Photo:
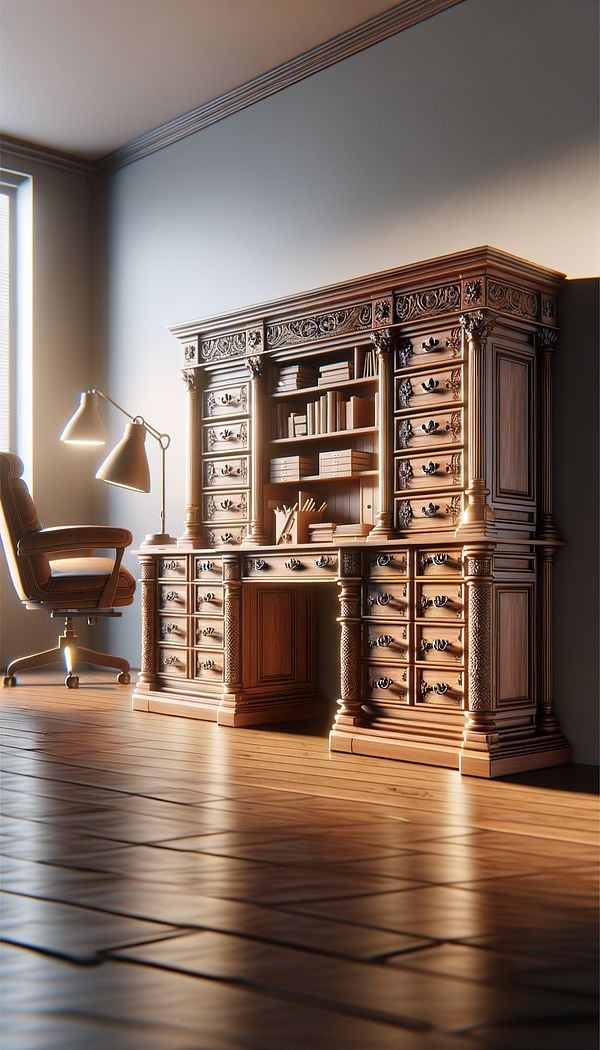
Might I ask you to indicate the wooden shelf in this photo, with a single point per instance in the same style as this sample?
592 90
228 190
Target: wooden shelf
329 477
284 395
319 437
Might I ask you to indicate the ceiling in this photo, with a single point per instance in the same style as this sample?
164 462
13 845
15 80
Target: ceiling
87 76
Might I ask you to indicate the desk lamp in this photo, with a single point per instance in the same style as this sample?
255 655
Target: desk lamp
126 465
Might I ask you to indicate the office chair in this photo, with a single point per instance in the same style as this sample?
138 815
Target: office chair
53 569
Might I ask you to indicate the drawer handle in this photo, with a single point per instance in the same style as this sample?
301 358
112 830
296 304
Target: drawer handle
382 560
430 468
226 537
431 385
258 563
227 469
226 504
437 687
226 434
430 427
384 640
382 683
323 561
430 510
206 566
170 661
433 559
293 564
227 399
169 628
440 687
208 597
172 596
438 644
380 599
207 665
170 564
431 345
207 632
440 600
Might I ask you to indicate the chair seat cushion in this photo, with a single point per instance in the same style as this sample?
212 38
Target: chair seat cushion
80 581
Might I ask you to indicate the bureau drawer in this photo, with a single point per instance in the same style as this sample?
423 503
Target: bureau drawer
172 568
208 599
225 506
208 634
430 431
173 629
428 513
441 686
385 563
387 641
443 470
385 682
226 436
386 600
432 347
443 600
440 562
440 644
208 668
429 389
233 472
226 535
317 565
172 597
172 662
208 569
227 401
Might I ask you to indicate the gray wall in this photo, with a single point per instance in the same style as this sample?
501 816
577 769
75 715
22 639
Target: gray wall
62 259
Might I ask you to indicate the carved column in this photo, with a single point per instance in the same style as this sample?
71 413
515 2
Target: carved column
149 604
384 526
477 516
193 535
232 626
257 536
546 341
480 728
350 711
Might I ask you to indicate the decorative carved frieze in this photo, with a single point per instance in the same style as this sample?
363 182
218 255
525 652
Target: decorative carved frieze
383 310
511 300
254 339
223 346
428 302
190 353
334 322
473 292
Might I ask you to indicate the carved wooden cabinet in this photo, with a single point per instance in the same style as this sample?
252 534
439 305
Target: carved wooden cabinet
413 409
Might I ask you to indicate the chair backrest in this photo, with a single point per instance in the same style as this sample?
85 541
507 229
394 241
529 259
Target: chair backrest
18 516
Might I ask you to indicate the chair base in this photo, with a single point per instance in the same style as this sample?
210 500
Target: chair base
70 653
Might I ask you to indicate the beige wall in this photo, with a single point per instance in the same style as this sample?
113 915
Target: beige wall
62 360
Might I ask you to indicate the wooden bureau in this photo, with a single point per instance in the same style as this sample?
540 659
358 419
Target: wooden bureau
415 405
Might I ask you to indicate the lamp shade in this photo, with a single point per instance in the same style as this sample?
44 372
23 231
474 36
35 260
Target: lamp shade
85 426
127 465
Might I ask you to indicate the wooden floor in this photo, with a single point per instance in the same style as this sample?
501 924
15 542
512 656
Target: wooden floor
173 885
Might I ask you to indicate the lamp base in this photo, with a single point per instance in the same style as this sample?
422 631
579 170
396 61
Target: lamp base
158 539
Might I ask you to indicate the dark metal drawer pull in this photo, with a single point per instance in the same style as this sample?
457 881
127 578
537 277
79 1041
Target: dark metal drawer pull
381 683
430 427
431 345
206 566
438 644
431 385
226 537
293 564
430 510
380 599
170 661
384 640
208 597
258 563
323 562
430 468
226 504
440 600
169 628
172 596
207 632
207 665
170 564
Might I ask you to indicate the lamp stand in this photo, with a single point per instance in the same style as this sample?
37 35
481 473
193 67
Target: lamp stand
160 539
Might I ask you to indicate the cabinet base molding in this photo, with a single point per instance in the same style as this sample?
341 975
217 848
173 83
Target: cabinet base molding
498 760
235 713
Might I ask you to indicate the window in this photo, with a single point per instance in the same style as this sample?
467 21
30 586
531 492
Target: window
16 320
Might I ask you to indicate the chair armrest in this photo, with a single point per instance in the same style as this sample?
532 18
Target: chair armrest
73 538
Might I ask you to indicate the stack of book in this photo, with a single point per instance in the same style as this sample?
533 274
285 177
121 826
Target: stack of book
337 372
355 531
321 531
359 413
292 468
294 377
344 461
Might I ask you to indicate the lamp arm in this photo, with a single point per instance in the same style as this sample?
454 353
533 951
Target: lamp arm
164 440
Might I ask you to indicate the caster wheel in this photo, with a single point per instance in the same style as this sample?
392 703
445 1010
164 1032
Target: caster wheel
72 681
124 678
9 680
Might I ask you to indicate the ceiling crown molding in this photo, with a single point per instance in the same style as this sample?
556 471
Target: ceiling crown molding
44 155
402 16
